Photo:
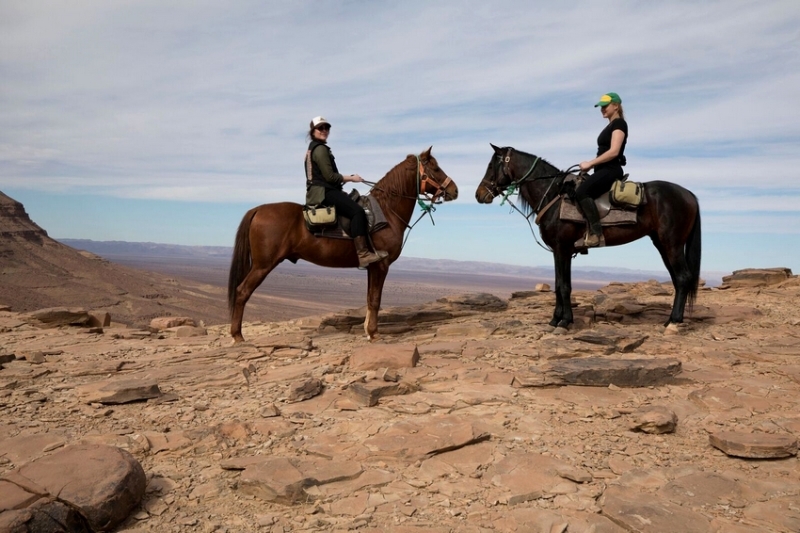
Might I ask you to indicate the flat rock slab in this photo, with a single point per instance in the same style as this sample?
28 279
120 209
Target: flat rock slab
706 489
119 391
370 392
103 482
297 341
183 332
54 317
419 439
756 277
601 372
646 513
24 448
530 519
780 513
165 322
468 330
530 476
285 480
604 337
482 301
754 445
378 356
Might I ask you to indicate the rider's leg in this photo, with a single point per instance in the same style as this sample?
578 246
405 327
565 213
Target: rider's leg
358 226
593 186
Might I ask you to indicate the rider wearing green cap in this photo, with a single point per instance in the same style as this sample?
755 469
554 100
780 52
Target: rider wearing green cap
607 165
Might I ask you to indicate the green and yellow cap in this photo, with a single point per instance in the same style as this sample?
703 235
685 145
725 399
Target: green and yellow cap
608 98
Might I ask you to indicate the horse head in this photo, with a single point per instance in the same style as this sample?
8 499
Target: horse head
433 181
499 175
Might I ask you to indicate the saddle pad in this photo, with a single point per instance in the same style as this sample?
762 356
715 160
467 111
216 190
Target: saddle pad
615 217
375 220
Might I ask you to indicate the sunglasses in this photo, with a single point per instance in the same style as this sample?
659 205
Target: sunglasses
324 127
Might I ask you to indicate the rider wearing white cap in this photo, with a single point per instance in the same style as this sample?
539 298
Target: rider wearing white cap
324 187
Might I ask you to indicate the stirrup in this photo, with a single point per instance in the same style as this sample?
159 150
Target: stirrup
580 244
591 240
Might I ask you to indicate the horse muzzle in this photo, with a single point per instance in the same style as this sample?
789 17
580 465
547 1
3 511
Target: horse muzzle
483 195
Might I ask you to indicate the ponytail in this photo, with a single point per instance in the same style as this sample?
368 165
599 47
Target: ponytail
621 112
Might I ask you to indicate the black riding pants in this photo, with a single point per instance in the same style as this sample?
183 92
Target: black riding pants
598 182
345 206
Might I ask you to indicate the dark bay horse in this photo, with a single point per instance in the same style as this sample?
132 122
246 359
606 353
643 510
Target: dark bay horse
270 233
670 217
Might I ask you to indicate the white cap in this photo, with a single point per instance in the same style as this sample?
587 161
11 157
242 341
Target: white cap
316 121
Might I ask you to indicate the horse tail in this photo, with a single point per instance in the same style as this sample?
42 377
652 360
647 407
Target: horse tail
241 260
693 253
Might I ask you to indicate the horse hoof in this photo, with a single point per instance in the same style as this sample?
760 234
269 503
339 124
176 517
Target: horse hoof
676 329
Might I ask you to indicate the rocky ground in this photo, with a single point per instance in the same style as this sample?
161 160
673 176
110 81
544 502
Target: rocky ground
468 414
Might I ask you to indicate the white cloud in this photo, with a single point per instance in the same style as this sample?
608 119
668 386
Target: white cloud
209 101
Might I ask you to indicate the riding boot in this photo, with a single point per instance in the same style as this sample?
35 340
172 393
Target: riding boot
365 255
589 209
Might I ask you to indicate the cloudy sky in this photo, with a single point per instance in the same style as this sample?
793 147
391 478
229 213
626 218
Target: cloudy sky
164 121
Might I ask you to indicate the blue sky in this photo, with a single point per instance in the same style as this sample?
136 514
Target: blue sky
165 121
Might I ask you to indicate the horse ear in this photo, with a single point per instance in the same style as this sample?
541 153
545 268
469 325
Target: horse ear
426 154
497 150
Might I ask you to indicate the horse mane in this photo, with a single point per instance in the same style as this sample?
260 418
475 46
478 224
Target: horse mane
550 168
393 183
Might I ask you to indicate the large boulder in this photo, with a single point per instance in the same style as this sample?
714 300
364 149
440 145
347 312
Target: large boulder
103 483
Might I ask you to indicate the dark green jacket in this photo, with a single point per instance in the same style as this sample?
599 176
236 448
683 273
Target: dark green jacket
321 172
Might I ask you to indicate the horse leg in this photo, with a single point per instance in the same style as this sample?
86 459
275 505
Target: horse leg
675 260
244 291
562 316
376 276
557 311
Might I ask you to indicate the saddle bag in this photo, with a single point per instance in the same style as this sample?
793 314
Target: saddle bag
318 215
626 194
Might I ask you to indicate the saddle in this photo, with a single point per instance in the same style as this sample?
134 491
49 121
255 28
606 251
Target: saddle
341 228
614 209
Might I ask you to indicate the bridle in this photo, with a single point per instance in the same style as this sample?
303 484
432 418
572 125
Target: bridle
424 182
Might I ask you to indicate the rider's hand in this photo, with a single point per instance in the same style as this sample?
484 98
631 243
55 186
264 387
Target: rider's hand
355 178
585 165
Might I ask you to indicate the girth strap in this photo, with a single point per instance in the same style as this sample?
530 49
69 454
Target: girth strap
547 206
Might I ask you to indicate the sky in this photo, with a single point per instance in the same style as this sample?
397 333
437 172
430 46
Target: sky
164 121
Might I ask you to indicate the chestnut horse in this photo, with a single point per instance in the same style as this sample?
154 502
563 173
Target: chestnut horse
270 233
670 217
